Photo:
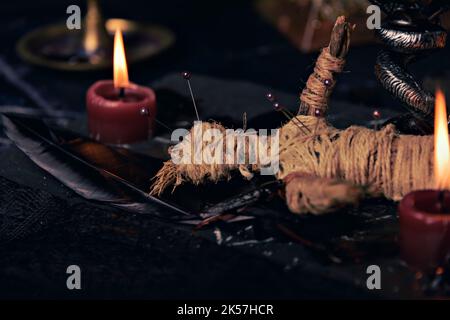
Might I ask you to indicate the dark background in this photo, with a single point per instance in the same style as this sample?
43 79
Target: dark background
225 39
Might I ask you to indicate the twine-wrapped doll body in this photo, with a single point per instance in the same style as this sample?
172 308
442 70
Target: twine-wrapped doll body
325 168
384 162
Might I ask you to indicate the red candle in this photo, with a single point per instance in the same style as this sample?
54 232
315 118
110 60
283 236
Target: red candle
424 230
425 214
120 112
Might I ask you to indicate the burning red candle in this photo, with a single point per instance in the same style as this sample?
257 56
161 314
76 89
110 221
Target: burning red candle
425 214
120 112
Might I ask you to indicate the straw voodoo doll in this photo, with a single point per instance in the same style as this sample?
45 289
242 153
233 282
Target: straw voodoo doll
324 168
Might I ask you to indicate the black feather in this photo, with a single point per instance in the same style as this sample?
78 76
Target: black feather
92 170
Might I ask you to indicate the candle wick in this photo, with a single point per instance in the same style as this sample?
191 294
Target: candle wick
121 92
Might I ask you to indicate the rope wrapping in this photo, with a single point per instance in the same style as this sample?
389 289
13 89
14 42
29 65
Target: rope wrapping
314 97
339 164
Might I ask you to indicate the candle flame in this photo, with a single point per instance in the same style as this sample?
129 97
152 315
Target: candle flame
441 144
120 63
91 42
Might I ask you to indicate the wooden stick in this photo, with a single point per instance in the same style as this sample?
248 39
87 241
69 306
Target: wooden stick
320 89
